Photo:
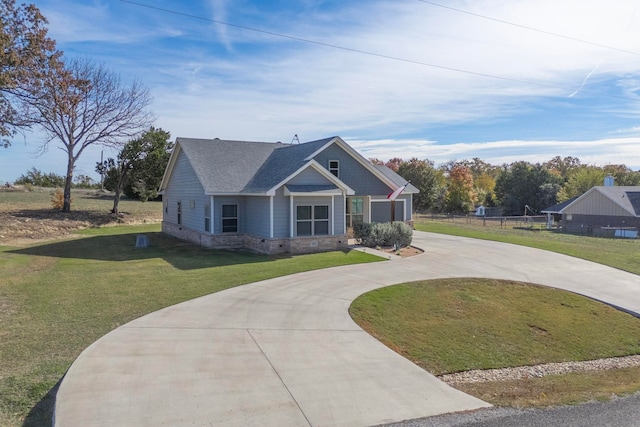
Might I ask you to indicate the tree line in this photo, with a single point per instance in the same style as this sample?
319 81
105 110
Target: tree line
460 186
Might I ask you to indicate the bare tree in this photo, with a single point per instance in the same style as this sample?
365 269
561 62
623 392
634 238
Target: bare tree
27 54
88 105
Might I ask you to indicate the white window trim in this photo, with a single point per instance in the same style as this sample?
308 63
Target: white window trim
313 220
337 168
222 218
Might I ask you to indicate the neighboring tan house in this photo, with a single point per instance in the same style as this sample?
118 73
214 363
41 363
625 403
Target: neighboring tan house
275 197
601 211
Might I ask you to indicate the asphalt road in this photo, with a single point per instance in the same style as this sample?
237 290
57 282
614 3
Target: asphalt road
619 412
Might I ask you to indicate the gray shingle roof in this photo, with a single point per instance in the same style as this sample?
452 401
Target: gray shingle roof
396 179
237 167
628 197
557 208
235 161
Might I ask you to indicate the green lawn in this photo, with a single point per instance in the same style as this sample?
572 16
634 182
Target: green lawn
453 325
619 253
57 298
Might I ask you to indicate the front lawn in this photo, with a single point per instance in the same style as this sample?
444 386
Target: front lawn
56 298
452 325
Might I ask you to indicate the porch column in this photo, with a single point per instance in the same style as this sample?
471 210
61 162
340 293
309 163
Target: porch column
291 217
333 217
344 218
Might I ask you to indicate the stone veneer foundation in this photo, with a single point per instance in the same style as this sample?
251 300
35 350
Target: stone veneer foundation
294 245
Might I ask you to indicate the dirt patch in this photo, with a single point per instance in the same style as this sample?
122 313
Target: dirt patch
407 251
29 226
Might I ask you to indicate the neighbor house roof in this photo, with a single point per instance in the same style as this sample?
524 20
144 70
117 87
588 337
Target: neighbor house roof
244 167
627 197
556 209
397 179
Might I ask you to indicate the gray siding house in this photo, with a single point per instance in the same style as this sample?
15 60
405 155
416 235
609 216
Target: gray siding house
601 211
274 197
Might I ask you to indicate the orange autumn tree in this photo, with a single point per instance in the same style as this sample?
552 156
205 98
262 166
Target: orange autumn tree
460 196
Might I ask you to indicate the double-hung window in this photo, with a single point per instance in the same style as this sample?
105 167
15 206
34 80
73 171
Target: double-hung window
312 220
334 167
229 218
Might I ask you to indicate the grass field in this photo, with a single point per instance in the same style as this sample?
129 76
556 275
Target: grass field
58 297
453 325
82 200
619 253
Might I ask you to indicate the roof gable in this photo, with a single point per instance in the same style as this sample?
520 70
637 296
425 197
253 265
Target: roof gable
244 167
626 198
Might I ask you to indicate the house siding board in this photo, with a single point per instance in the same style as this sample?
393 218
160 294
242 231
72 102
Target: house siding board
184 187
257 216
381 211
596 203
309 176
356 176
407 208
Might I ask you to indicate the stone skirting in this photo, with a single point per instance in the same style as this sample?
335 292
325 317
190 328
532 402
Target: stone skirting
295 245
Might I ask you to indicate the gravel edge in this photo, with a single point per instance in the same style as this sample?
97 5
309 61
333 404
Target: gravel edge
538 371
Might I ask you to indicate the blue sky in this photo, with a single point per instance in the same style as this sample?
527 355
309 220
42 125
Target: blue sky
394 78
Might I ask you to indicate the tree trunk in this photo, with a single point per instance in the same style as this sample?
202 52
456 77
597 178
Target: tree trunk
116 201
66 206
119 187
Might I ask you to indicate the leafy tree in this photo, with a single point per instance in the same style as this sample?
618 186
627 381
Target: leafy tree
394 164
140 165
476 166
623 175
83 181
37 178
521 183
147 174
484 186
562 166
580 180
27 56
548 194
460 195
426 178
87 105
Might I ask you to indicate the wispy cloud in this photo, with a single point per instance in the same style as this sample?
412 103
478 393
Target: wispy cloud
212 80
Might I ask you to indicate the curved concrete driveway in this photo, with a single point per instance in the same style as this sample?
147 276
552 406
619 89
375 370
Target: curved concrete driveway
285 351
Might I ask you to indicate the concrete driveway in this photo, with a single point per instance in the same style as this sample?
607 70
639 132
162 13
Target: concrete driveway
285 351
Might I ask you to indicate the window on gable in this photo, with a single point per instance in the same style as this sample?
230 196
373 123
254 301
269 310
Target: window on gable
334 167
312 220
229 218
